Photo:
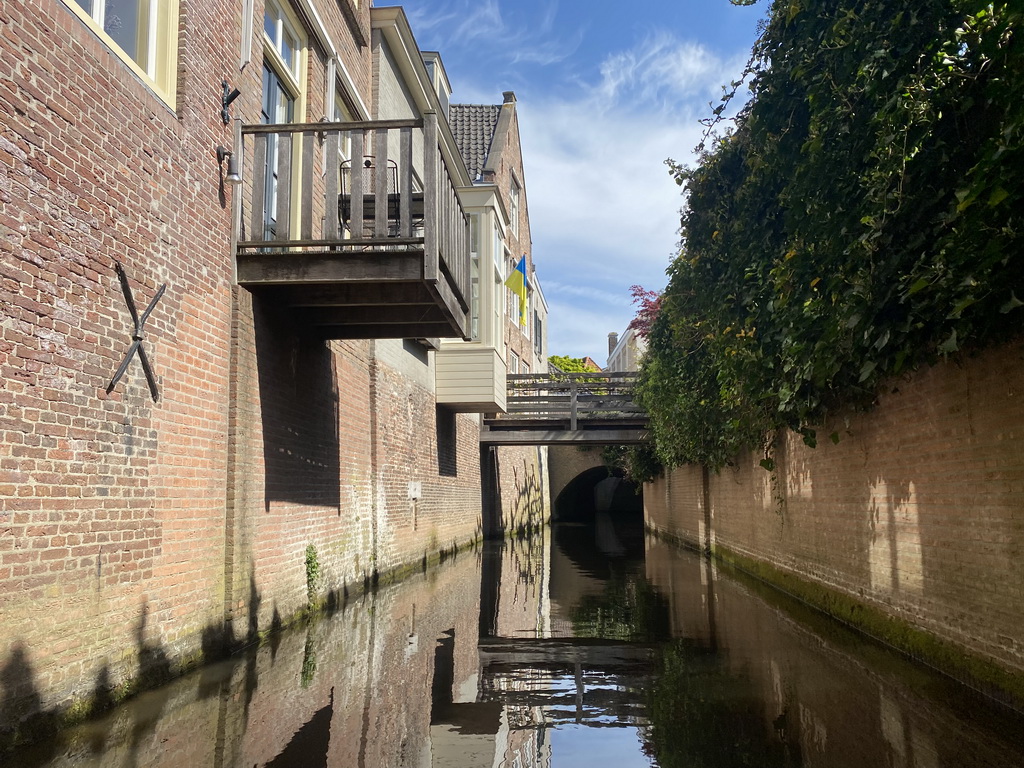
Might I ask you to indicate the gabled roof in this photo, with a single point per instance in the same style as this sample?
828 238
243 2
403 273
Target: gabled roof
473 126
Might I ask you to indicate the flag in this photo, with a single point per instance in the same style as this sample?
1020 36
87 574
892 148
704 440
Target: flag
517 283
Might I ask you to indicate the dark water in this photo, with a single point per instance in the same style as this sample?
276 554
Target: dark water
584 647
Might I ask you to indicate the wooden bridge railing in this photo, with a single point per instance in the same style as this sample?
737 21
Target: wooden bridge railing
574 397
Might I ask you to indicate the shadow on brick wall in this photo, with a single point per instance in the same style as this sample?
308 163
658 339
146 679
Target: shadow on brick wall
299 404
25 721
524 512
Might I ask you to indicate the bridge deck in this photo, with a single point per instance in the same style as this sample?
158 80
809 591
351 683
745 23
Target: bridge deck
580 408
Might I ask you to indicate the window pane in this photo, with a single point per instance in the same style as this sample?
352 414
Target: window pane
127 22
270 22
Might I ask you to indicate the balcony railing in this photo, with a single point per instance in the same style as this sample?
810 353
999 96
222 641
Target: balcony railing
366 204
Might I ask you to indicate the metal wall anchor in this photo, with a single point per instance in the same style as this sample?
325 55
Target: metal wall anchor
137 334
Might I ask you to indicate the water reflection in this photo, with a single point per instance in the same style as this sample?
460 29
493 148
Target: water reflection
586 646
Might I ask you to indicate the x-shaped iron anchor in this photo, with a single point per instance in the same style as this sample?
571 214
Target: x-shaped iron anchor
137 334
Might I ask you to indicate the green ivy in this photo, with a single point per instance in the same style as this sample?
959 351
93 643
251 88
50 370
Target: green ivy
861 219
312 574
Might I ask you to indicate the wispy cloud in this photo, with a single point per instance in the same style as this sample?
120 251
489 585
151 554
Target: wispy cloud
604 211
482 26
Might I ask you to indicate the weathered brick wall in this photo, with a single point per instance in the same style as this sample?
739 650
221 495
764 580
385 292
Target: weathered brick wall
915 511
426 451
133 533
569 461
525 500
111 506
300 471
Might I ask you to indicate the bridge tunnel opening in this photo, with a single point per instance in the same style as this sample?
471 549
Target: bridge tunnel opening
599 518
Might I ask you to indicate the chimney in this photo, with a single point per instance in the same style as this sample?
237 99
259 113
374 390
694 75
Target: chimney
509 96
613 340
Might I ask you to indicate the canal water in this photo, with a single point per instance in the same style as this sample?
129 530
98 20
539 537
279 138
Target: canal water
585 646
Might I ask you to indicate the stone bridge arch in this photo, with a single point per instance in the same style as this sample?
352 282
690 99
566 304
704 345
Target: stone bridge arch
574 472
567 462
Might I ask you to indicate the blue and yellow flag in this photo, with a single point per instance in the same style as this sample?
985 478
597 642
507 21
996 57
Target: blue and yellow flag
517 283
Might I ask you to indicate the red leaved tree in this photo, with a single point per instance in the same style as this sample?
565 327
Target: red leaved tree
648 303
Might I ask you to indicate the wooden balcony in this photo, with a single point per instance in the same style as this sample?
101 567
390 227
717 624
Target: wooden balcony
314 237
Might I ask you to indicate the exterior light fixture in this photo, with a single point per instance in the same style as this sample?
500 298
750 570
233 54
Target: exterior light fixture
232 178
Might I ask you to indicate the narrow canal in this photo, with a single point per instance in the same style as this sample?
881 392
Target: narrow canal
586 646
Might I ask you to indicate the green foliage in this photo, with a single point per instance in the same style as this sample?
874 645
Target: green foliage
312 573
308 672
570 364
863 218
703 715
629 609
639 463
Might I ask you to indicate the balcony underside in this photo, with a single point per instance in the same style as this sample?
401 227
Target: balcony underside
366 294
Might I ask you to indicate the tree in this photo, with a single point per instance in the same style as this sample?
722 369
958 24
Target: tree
648 303
572 364
864 217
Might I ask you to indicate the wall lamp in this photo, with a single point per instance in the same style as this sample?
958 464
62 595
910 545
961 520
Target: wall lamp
232 177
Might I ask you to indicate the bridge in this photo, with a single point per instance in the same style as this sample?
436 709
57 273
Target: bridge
569 408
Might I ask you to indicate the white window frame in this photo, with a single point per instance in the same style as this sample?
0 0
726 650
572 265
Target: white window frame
289 70
160 69
515 190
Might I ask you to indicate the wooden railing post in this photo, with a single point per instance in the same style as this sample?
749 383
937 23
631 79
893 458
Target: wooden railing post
430 196
573 404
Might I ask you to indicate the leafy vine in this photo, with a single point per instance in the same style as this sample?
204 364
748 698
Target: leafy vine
863 217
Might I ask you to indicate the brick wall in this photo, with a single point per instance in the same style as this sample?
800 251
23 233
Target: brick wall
916 511
136 534
568 462
111 506
525 500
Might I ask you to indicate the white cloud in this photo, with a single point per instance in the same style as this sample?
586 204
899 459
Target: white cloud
604 211
480 24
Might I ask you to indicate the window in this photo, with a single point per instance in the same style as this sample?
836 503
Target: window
144 33
525 327
513 207
282 66
496 331
511 297
282 36
341 114
513 363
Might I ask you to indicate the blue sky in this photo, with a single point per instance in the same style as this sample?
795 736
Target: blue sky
606 92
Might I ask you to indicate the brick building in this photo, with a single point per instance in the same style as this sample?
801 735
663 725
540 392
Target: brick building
291 213
488 138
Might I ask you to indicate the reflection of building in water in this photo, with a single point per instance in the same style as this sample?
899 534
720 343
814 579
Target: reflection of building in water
529 681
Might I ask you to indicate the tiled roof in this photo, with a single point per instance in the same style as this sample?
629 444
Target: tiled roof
473 126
